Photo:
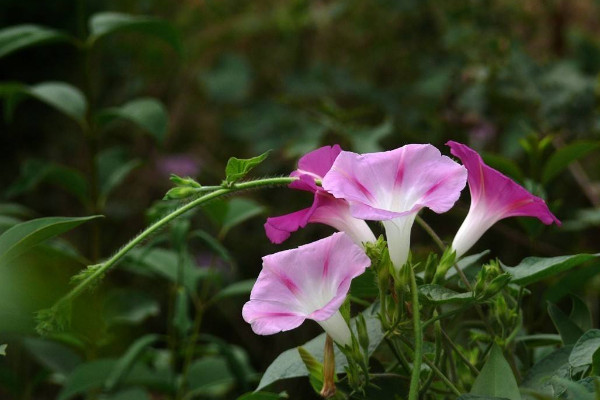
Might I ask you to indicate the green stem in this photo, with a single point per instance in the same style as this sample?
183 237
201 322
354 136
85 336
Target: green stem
460 354
460 273
413 393
102 268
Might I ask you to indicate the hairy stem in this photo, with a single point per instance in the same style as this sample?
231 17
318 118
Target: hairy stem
102 268
413 393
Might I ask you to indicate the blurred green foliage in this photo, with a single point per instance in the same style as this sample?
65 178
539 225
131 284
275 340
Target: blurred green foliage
103 100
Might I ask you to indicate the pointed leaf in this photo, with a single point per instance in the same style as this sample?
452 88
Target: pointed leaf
534 269
147 113
105 23
238 168
19 37
2 349
565 156
554 364
126 362
22 237
236 289
115 179
230 213
35 172
60 95
568 330
55 356
585 348
496 378
436 294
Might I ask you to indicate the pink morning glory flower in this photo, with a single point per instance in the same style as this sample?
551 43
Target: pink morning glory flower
494 196
393 186
308 282
325 208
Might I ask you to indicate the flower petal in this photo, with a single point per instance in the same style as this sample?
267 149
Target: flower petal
310 281
391 184
494 196
314 165
325 209
278 229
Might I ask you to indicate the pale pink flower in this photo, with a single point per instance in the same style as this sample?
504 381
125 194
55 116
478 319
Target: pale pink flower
325 208
494 196
393 186
309 282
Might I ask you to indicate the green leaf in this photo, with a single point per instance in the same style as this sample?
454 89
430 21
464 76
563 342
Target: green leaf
364 286
568 330
60 95
57 357
554 364
126 362
477 397
289 364
534 269
3 349
117 176
263 396
24 236
19 37
128 394
238 168
35 172
366 140
436 294
565 156
596 363
235 289
504 165
214 244
129 307
467 263
92 375
210 376
314 368
496 378
577 390
147 113
106 23
230 213
181 316
229 81
580 314
15 210
585 348
166 263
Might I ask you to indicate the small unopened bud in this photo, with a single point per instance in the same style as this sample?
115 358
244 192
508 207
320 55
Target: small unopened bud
328 389
363 335
186 182
180 192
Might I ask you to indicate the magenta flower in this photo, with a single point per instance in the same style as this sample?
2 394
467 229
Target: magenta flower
494 196
393 186
309 282
325 208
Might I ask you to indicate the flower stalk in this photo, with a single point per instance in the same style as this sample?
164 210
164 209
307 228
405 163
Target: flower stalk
91 275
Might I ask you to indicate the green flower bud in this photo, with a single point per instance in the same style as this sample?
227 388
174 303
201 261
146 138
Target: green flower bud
184 182
180 192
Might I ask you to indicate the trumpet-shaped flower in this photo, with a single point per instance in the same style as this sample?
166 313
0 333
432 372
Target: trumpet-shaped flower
393 186
325 208
309 282
494 196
